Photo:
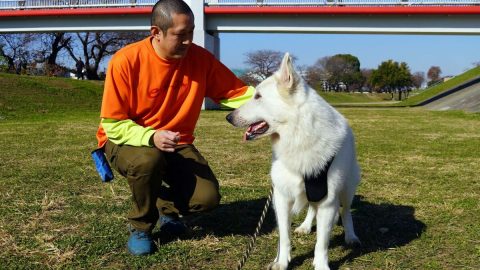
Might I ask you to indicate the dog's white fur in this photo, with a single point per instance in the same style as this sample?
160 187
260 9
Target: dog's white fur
306 131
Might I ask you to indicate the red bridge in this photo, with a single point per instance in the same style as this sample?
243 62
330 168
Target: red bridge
214 16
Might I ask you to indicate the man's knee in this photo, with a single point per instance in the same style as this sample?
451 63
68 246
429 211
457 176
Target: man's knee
205 197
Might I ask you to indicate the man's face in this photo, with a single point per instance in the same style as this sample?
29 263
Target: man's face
175 42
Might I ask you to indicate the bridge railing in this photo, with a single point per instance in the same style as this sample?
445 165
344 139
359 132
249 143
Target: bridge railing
61 4
341 2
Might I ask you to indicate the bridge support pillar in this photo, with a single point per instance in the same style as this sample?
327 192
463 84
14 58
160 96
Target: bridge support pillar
204 39
211 43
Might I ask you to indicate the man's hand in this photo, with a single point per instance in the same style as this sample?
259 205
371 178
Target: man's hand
166 140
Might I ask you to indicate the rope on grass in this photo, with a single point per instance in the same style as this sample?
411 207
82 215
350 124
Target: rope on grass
251 244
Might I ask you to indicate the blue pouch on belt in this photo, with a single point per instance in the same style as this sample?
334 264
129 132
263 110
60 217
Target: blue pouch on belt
102 166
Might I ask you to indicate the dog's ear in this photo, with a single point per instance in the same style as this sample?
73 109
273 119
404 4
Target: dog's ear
288 78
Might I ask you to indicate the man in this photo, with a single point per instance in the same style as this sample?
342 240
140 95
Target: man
79 69
154 90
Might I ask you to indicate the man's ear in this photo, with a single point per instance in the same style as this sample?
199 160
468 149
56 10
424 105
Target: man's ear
155 32
287 76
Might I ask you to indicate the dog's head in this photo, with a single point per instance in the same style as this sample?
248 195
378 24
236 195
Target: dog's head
272 105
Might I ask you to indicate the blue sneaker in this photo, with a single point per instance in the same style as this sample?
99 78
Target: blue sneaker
172 225
140 242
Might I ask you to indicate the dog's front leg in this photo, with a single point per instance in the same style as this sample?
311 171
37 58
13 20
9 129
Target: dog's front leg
326 216
283 206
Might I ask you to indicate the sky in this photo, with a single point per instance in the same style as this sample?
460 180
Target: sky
454 54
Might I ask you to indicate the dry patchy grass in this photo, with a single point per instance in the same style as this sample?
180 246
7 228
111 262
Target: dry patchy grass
416 208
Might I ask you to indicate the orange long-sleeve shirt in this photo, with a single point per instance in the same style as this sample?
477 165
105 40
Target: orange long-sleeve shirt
164 94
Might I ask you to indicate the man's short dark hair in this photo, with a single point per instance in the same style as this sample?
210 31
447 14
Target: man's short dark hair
162 13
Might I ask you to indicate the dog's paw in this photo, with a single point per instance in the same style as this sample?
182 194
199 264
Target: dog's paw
303 229
322 268
276 266
320 265
352 240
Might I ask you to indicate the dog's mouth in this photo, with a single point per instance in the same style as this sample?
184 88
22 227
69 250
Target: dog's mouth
255 130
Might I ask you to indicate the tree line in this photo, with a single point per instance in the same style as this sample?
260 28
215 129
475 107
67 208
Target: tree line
56 54
343 73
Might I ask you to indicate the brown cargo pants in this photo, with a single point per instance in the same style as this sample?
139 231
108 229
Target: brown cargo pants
167 183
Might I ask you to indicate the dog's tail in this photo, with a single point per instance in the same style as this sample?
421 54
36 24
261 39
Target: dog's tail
299 205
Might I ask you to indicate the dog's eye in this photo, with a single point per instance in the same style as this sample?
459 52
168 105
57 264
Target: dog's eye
257 96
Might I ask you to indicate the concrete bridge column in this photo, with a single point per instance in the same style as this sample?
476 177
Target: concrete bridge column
200 37
210 42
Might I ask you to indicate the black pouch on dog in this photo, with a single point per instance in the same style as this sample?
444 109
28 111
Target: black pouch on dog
102 166
316 185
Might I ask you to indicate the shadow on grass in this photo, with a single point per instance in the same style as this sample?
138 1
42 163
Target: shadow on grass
379 227
236 218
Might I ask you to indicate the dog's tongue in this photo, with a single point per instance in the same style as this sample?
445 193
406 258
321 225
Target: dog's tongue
252 130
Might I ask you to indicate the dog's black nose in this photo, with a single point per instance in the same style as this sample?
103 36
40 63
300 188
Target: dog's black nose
229 117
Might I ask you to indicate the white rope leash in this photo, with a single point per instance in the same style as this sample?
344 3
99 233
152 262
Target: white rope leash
241 263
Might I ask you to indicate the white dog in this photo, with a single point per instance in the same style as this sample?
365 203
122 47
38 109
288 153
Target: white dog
314 158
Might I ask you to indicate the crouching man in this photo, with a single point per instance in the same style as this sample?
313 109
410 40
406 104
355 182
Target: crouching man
154 90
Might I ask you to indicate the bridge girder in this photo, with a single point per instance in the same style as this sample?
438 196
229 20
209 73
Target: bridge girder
376 20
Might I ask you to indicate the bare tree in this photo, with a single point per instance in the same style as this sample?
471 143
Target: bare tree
317 74
263 63
433 74
52 45
418 78
15 49
367 74
9 60
250 79
92 48
302 71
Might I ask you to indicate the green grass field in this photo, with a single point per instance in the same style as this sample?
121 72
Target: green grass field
416 208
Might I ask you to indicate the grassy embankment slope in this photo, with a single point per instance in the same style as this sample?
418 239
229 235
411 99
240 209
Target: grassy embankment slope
440 88
32 97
